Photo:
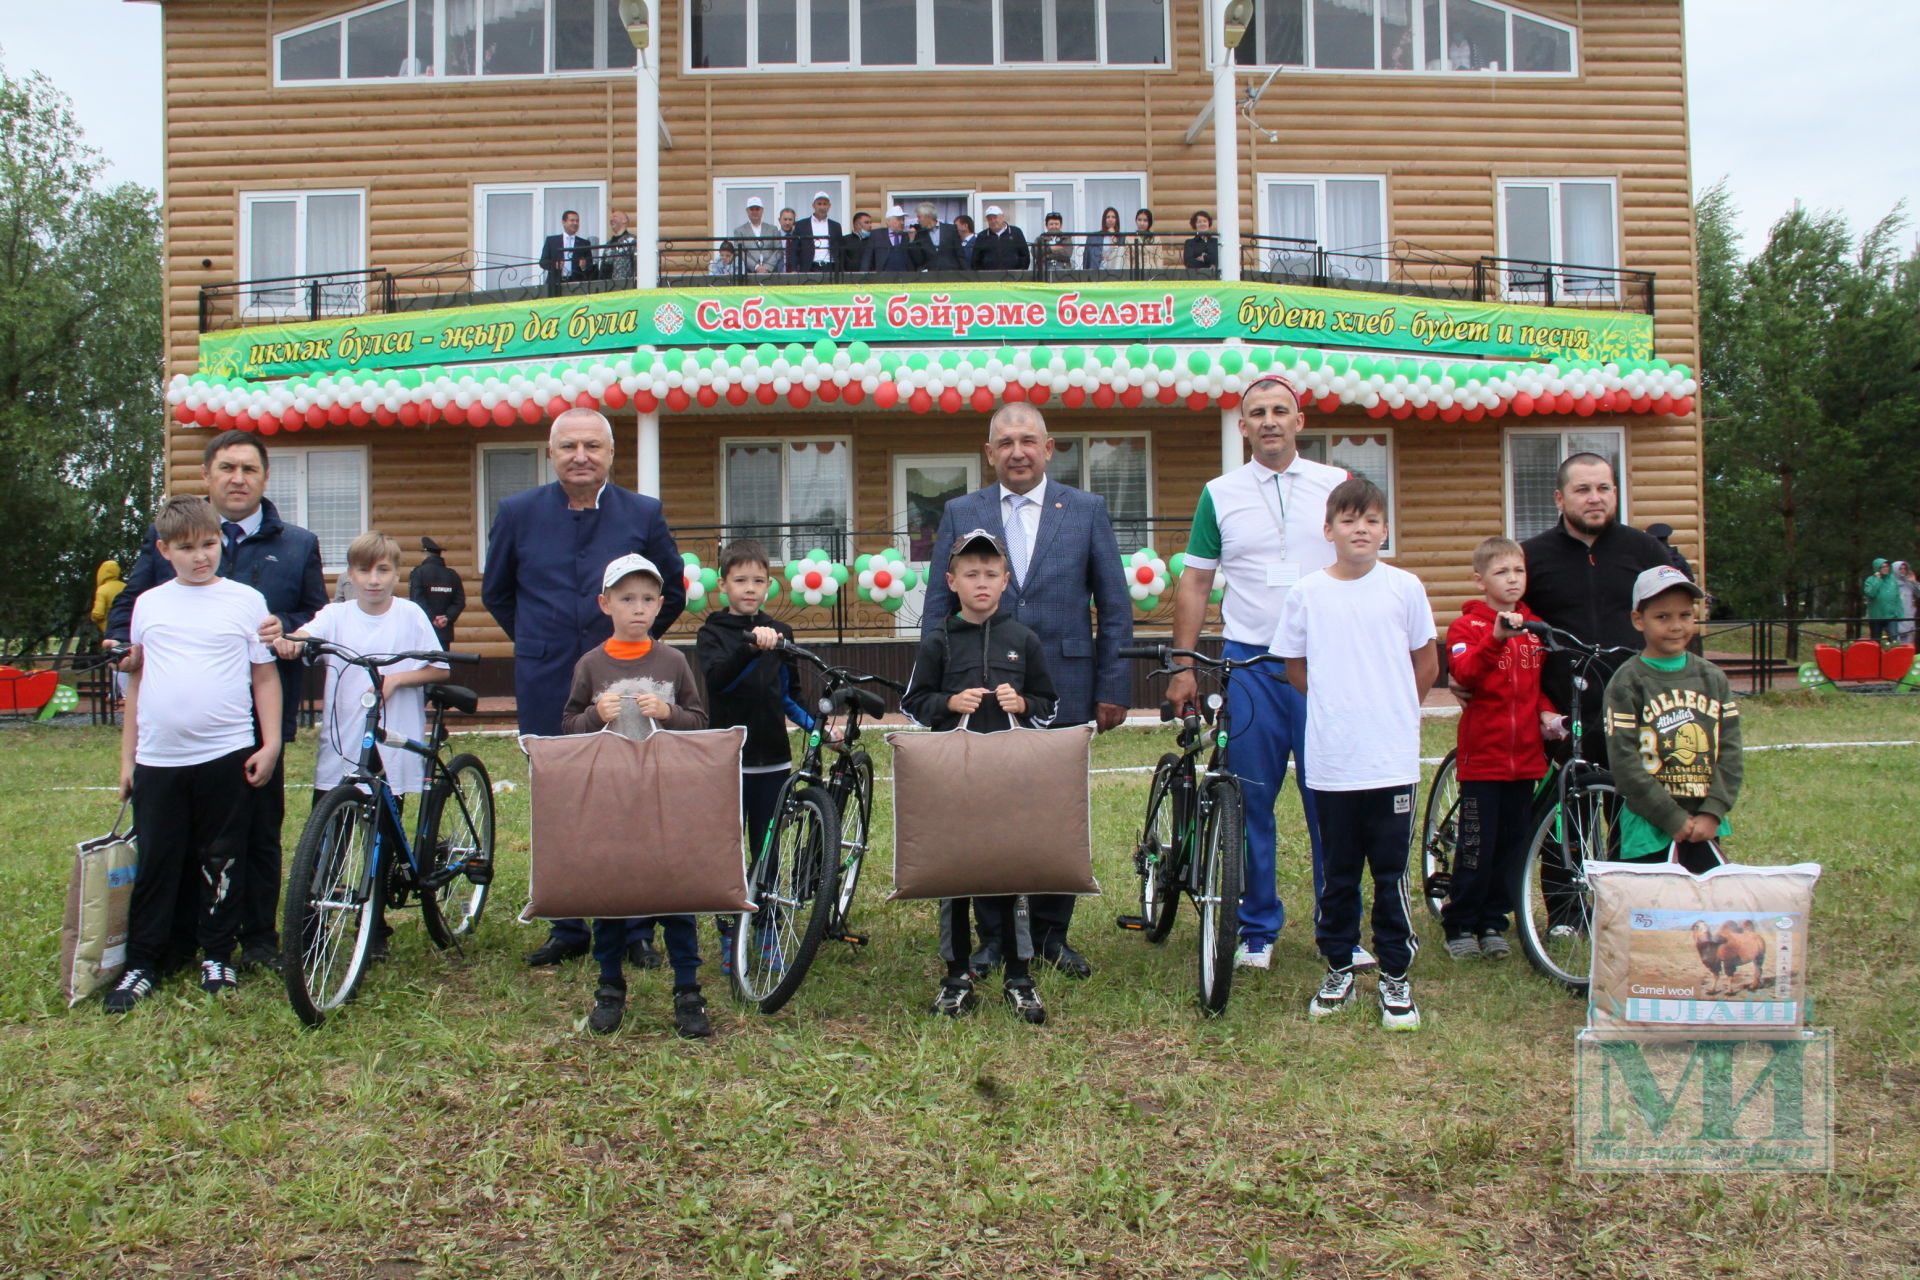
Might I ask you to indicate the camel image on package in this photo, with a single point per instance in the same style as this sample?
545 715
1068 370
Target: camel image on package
1725 949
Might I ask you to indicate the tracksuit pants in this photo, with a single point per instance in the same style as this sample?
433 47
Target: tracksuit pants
610 939
258 874
192 821
1366 831
1494 821
1015 934
1269 720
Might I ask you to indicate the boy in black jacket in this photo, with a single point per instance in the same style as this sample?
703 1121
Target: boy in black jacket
750 684
983 673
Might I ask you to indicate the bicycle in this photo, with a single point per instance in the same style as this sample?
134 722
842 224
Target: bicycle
1192 840
1575 807
354 845
802 893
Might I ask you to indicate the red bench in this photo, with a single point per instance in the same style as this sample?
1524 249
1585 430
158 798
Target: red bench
1864 661
26 690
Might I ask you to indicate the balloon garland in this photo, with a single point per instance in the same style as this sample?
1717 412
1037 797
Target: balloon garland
815 580
885 578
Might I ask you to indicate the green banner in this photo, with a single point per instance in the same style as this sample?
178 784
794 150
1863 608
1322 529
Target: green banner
948 314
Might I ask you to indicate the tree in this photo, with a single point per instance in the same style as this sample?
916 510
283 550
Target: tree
1810 386
81 364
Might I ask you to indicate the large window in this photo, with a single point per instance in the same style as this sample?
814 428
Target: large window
1407 37
507 469
1115 467
1079 198
454 39
512 222
1559 220
1533 464
730 196
799 35
297 240
791 495
1366 454
324 490
1347 216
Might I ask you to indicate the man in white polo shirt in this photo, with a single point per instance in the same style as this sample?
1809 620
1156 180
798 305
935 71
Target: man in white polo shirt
1262 525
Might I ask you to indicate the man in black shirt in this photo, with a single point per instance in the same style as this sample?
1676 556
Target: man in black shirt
437 589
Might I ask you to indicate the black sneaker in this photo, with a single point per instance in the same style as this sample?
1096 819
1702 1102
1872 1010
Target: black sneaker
690 1015
554 952
1066 960
1025 1000
217 976
260 955
609 1007
642 954
956 997
134 986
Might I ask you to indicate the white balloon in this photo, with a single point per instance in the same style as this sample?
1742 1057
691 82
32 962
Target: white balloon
812 380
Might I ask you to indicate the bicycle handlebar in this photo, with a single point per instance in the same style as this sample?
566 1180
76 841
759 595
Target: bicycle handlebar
1557 641
841 675
432 657
1163 654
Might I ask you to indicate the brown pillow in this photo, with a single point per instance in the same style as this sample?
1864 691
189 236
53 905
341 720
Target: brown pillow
985 814
625 828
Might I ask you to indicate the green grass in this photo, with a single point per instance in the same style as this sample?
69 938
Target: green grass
456 1120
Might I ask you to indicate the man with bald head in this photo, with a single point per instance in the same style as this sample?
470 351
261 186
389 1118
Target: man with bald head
545 555
1061 555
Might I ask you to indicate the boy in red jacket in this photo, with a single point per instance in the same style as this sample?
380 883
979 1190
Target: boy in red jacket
1501 751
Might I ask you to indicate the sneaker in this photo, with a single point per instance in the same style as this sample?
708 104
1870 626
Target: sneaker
642 954
1560 933
552 952
1465 947
1253 955
134 986
1064 958
1363 960
1025 1000
260 955
1397 1010
956 997
1494 946
217 976
690 1015
1335 994
609 1007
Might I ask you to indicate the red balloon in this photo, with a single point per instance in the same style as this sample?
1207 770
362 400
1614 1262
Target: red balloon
799 397
854 393
678 399
950 401
293 420
882 579
358 416
337 415
707 397
1642 404
503 414
1663 405
385 417
224 420
1452 413
645 401
737 394
1584 406
244 422
430 413
1132 397
1329 403
528 412
1522 404
1103 396
765 393
1563 403
1683 405
616 396
887 394
267 427
1231 400
812 579
203 416
1166 395
920 401
182 414
1402 413
477 415
1197 400
1073 397
585 400
829 391
1377 410
1039 392
982 400
1479 411
1014 393
1143 574
556 406
316 417
1427 412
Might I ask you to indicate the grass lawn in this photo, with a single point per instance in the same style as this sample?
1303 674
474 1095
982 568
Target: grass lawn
458 1120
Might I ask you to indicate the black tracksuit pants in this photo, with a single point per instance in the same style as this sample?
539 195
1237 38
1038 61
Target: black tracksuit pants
192 824
1362 832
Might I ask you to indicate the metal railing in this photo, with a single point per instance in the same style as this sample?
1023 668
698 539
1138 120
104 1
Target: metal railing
1053 257
1764 654
1563 284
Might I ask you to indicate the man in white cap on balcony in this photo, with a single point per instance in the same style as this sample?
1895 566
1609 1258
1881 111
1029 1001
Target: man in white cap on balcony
1002 246
942 239
894 249
759 259
817 241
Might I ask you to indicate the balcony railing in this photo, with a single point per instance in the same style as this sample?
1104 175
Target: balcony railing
1402 268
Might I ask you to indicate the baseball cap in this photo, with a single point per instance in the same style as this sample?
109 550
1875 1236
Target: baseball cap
755 202
1652 582
993 210
895 211
977 542
821 195
630 563
1661 530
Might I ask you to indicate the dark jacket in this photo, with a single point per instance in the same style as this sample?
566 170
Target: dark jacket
749 686
281 561
853 251
1202 252
942 244
438 590
1588 591
884 255
960 655
582 255
800 248
1005 251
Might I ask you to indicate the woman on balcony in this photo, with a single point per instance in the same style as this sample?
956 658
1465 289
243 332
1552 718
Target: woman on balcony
1106 251
1146 245
1203 249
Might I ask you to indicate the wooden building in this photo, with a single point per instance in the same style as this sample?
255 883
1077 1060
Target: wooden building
1435 197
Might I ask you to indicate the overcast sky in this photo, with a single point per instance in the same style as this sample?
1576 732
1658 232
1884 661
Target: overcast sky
1790 101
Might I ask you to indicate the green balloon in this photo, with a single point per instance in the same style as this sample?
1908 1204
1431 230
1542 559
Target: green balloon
1147 605
794 353
735 353
766 353
1339 362
1285 356
918 360
1199 362
1260 358
720 600
1432 371
1041 357
1103 356
709 578
1310 358
706 357
1177 564
818 555
823 351
1074 358
1232 361
889 361
950 360
688 558
1363 366
909 578
892 604
839 572
858 351
1138 355
1165 358
860 563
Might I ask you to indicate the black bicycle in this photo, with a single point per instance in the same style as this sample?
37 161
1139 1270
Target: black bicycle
355 846
1575 814
802 891
1193 840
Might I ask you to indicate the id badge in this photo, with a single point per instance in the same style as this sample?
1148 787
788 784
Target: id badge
1282 575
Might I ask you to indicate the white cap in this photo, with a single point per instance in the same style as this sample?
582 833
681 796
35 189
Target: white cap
995 210
755 202
895 211
821 195
1652 582
631 563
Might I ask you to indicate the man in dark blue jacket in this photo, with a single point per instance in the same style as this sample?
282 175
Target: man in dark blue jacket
282 562
545 556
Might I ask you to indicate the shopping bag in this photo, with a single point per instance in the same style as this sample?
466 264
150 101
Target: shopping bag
988 814
626 828
93 936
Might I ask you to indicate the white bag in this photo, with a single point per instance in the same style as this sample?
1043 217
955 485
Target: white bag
93 937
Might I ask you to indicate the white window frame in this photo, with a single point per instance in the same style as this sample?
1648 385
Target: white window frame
923 48
963 194
544 468
284 458
723 202
1318 181
1023 183
539 189
780 442
438 53
1391 547
1614 283
1080 439
1585 428
250 306
1419 50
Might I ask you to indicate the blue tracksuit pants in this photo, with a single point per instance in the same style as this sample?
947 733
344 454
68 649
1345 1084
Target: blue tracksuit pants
1269 723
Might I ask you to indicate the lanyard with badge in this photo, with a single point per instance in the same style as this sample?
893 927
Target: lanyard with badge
1284 574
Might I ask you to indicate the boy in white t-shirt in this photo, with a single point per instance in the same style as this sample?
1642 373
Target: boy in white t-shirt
202 676
1365 633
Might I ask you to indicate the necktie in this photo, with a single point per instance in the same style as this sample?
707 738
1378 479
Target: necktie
1017 535
232 533
896 237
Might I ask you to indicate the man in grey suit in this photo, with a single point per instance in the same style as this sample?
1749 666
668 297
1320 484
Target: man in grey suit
1061 552
942 241
760 244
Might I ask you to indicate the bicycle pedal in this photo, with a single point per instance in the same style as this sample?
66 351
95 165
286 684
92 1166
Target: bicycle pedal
854 939
1135 923
480 873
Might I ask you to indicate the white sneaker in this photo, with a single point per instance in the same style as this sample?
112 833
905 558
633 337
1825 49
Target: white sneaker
1363 960
1253 955
1335 994
1397 1010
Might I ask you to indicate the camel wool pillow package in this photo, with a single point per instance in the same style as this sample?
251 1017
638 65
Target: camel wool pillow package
1726 949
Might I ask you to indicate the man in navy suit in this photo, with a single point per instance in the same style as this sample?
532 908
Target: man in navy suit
1061 551
895 249
567 257
545 555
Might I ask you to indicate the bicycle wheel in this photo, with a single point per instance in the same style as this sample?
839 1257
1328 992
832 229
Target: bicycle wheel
1153 856
1440 834
328 921
458 832
793 886
1553 902
1218 871
855 794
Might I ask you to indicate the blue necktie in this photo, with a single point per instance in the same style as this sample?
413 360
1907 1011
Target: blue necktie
232 533
1017 535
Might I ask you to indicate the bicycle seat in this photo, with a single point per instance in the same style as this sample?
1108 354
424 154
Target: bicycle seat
453 697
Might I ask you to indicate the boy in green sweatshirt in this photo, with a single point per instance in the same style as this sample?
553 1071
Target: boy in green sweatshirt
1673 731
